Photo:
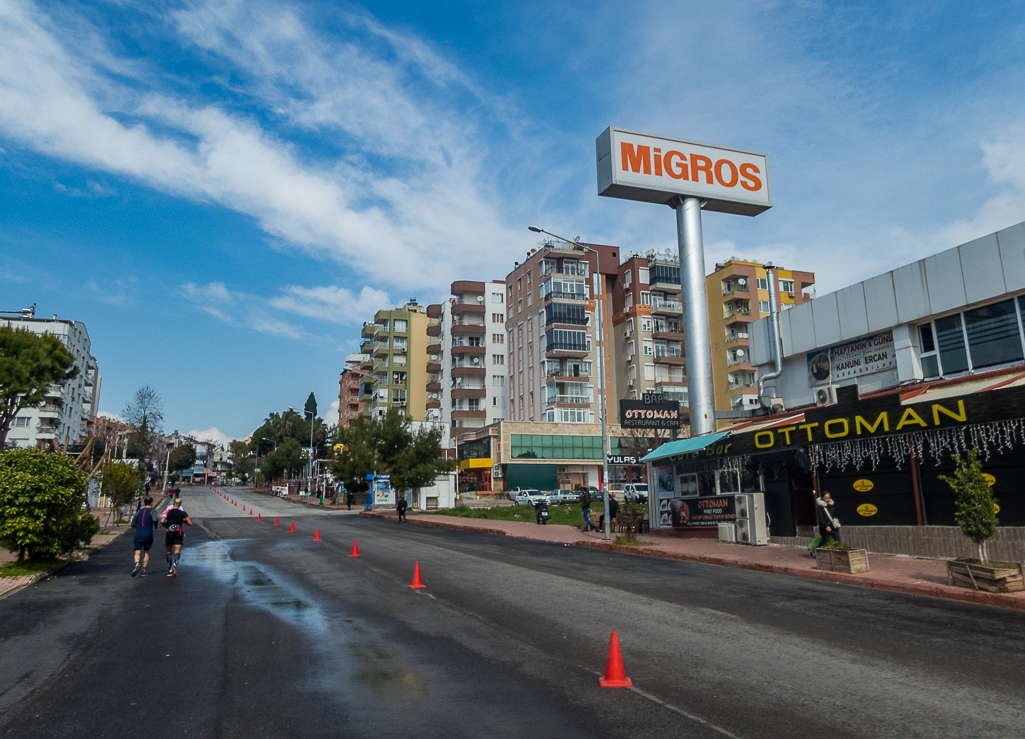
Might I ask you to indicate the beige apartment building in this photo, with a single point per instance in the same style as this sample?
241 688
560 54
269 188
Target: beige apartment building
395 350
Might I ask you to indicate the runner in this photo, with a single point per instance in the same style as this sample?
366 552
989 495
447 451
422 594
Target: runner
174 520
143 523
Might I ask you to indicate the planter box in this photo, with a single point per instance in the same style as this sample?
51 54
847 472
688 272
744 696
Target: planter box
971 574
837 560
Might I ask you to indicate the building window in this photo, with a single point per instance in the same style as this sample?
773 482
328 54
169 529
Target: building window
786 286
645 298
398 378
571 313
401 326
642 275
497 318
763 306
763 283
665 273
627 278
645 323
550 446
398 395
497 298
498 338
399 360
519 305
647 347
649 372
629 324
569 340
498 380
530 298
628 301
978 338
497 359
21 421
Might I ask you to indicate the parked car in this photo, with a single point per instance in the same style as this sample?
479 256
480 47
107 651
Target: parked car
563 495
636 493
529 497
595 492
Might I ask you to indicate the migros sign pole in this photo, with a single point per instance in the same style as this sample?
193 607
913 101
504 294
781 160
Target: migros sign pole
688 176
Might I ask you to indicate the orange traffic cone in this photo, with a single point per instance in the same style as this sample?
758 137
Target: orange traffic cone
316 536
259 516
615 677
275 520
236 504
355 549
243 509
250 511
293 526
417 583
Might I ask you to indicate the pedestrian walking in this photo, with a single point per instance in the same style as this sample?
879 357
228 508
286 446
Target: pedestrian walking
401 507
144 523
613 512
174 521
829 525
350 498
585 505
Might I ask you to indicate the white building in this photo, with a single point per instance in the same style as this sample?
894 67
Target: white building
70 407
955 313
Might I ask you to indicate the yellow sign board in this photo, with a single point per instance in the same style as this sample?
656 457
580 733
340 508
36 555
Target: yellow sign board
863 486
867 509
988 478
996 508
473 464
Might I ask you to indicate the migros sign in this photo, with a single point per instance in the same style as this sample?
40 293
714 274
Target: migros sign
655 169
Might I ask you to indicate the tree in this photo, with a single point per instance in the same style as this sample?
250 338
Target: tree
29 365
120 482
288 456
355 454
974 509
420 462
285 425
41 496
240 459
144 414
181 458
311 406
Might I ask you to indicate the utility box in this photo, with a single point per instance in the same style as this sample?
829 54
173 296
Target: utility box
728 533
752 524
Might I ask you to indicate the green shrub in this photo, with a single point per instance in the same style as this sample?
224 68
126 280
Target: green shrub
974 509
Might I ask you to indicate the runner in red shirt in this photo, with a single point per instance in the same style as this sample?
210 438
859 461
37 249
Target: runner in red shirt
174 521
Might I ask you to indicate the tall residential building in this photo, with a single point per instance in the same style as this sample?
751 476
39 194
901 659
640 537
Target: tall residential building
738 294
395 345
647 330
69 410
551 334
466 359
349 385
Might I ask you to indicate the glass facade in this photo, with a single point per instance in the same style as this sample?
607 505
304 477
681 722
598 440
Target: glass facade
975 339
550 446
665 273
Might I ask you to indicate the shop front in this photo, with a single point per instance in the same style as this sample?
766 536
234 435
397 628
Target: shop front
881 458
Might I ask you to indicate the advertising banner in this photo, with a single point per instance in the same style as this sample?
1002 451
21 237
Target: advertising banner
698 511
652 412
862 356
655 169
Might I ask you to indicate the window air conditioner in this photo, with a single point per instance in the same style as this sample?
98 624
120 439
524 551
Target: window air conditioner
825 395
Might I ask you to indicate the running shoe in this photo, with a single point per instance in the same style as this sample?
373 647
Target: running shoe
144 574
135 571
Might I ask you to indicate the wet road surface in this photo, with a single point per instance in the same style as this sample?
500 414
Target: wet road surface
267 633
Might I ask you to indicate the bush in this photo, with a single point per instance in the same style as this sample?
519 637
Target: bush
41 496
974 511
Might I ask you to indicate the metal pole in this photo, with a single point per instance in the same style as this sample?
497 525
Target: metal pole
604 401
695 314
166 465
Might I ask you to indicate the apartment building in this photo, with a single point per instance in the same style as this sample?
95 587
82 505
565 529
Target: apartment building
466 356
738 294
349 384
647 329
69 410
551 333
394 346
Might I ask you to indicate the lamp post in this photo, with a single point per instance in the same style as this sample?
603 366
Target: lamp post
599 296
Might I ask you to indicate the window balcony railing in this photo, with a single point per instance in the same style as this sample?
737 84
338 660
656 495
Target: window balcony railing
559 294
575 399
663 304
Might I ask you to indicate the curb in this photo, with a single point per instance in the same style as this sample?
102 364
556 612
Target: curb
932 591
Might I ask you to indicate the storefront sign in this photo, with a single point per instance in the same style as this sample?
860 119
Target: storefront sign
867 509
621 459
863 356
654 169
653 411
990 480
863 486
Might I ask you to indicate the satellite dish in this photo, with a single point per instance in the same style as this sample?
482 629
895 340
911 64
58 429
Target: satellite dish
740 352
742 282
480 299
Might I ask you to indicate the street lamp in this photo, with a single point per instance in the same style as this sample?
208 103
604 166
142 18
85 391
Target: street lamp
599 295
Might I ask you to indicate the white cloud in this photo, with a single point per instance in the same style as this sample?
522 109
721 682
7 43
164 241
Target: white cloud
213 435
331 416
112 416
332 303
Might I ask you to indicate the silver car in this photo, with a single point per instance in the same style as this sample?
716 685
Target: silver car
529 497
563 495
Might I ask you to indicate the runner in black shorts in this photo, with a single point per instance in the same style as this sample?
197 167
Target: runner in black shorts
175 521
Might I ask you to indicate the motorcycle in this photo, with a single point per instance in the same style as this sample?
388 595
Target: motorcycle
542 514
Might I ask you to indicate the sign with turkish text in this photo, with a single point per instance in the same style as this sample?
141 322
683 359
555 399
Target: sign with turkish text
709 510
653 411
655 169
862 356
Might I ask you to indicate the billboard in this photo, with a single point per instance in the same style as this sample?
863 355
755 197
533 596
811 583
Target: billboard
653 411
862 356
656 169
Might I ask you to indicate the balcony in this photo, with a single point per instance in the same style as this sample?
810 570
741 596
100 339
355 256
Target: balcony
468 308
469 392
736 308
434 310
49 411
366 346
462 287
467 415
468 371
433 404
381 349
461 350
733 359
434 387
560 295
734 335
577 401
369 330
666 307
557 350
434 348
671 359
434 367
731 288
468 329
668 335
434 330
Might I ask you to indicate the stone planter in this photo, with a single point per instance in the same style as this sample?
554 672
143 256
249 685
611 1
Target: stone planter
837 560
970 573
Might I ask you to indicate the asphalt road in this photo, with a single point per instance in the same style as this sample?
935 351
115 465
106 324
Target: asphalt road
267 633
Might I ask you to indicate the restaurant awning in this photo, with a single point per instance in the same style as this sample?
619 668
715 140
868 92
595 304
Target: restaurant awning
693 444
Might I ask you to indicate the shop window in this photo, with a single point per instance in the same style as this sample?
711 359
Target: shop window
993 336
950 340
930 361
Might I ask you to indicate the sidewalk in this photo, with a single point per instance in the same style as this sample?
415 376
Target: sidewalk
916 576
9 585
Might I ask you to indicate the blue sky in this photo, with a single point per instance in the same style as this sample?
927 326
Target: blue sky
224 191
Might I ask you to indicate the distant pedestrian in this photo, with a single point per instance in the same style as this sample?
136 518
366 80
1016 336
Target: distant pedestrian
350 498
585 505
401 505
829 525
144 523
613 512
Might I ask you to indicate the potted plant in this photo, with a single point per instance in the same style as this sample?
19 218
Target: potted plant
975 513
837 557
